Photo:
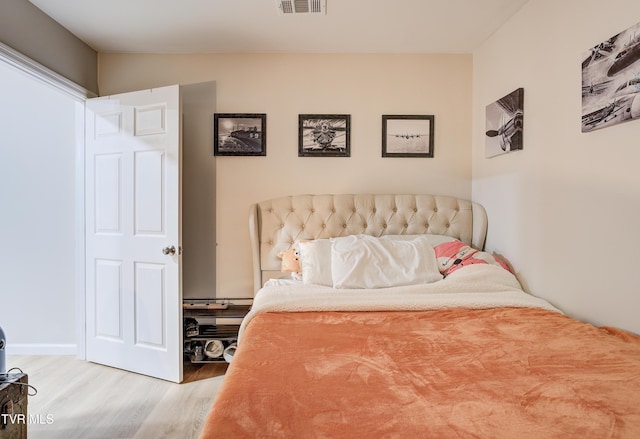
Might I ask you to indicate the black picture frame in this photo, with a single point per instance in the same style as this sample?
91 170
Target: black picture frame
240 134
407 135
324 135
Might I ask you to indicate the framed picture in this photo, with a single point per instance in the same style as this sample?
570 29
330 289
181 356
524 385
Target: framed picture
504 123
611 81
407 136
240 134
324 135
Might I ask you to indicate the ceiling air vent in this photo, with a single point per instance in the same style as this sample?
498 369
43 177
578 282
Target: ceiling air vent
286 7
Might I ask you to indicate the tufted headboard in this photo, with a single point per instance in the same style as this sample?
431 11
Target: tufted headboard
274 225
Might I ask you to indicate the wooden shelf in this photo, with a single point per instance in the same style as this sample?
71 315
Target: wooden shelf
232 311
215 321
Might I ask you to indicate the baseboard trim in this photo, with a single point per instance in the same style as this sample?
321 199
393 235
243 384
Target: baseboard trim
41 349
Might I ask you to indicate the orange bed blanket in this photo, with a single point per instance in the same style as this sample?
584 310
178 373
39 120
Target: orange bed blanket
488 373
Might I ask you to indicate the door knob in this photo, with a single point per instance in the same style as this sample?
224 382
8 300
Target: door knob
169 250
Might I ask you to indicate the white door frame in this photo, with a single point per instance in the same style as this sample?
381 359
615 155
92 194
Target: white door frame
81 299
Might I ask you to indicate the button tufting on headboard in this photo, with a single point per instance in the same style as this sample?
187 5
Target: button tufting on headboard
276 224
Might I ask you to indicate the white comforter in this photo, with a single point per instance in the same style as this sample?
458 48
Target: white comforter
478 286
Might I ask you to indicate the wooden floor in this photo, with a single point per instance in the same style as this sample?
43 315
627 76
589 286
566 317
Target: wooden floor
78 399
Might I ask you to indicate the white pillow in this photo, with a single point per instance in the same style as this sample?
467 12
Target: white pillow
431 238
362 261
315 262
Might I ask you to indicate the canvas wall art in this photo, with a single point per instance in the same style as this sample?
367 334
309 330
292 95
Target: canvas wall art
611 81
504 123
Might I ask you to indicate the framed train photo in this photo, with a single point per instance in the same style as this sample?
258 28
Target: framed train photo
239 134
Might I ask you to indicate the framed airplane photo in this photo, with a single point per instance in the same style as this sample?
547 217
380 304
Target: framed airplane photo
407 136
324 135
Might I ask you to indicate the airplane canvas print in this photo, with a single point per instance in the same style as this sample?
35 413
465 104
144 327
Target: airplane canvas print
504 123
611 81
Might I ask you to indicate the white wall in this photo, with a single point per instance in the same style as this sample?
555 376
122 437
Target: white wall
38 220
564 210
366 86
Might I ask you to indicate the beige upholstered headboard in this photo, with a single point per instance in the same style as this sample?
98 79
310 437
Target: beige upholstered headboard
275 225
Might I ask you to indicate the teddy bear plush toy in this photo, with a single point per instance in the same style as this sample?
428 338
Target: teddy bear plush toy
291 263
454 255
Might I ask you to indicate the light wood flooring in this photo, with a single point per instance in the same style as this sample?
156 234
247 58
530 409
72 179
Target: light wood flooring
78 399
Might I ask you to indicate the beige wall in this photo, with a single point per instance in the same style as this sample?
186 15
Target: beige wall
198 206
30 31
285 85
565 209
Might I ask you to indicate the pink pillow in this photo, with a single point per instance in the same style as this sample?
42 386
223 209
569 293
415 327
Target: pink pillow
454 255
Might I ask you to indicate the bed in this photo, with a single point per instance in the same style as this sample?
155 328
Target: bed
378 349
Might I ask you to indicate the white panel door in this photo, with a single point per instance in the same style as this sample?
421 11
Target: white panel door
133 236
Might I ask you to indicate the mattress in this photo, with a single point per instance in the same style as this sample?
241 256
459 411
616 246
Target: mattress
471 355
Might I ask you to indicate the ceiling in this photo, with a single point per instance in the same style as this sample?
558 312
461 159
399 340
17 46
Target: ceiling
349 26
